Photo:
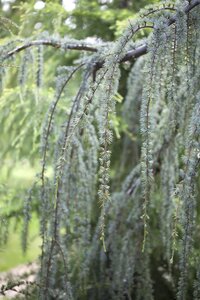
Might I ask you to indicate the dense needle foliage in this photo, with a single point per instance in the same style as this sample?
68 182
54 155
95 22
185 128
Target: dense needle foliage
131 233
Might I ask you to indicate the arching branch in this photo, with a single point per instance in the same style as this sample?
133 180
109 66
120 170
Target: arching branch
141 50
54 44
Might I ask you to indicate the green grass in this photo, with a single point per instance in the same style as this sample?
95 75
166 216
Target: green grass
11 255
17 179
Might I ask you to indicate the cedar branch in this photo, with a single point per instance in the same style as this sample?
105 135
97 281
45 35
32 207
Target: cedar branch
130 55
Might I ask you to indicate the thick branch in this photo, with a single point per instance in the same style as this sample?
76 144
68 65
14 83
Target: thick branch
54 44
135 53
